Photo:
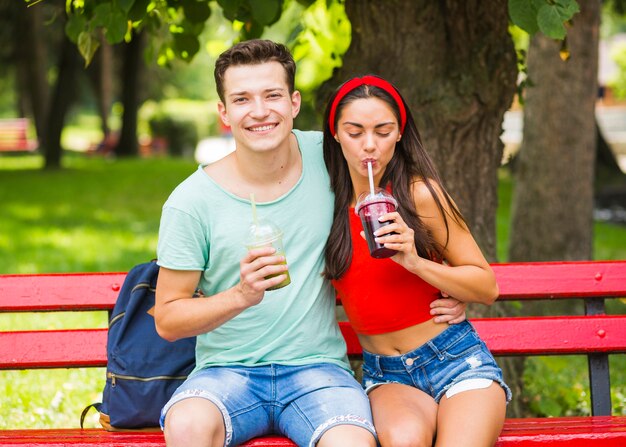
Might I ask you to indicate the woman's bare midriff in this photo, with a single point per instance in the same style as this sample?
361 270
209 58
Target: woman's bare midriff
402 341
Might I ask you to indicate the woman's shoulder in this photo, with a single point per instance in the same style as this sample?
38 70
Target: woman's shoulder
423 190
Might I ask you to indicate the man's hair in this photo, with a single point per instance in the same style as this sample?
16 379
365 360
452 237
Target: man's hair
254 52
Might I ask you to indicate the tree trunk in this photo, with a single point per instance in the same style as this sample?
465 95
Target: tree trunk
552 210
63 96
32 67
132 70
457 70
100 73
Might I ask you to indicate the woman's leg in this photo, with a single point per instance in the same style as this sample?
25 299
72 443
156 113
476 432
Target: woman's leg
471 418
403 416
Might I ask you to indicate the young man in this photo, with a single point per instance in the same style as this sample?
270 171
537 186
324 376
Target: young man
267 361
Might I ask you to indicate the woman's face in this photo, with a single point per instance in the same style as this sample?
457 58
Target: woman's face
368 131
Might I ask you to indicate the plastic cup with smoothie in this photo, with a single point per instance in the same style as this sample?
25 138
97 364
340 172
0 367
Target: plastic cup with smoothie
369 207
265 233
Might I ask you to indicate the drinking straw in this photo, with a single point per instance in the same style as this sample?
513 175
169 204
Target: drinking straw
254 218
371 176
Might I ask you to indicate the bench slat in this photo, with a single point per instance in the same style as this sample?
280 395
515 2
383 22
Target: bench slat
553 335
90 437
504 336
57 292
539 335
599 431
98 291
561 279
53 349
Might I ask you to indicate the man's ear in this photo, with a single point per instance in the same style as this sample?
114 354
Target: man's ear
221 110
296 100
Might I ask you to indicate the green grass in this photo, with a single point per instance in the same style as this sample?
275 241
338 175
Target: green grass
95 215
103 215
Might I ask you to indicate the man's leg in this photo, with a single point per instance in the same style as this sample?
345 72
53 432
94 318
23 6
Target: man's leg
325 406
218 406
194 422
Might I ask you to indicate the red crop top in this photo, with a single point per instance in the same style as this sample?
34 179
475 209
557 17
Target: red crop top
379 295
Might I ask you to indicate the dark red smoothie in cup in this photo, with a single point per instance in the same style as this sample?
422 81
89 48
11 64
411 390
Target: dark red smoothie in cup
369 208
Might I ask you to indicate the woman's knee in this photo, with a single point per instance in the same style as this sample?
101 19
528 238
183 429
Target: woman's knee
405 435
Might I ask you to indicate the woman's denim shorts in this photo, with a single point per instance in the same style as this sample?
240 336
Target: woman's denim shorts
300 402
455 355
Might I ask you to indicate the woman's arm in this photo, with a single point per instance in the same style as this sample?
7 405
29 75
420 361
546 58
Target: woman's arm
466 275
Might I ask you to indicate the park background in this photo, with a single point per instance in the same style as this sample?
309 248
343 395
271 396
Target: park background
119 134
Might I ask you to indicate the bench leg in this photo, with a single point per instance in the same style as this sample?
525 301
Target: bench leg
599 378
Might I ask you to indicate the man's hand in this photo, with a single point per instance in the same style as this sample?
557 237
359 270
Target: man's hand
448 310
257 270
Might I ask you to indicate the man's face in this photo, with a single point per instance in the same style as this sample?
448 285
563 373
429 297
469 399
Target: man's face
258 107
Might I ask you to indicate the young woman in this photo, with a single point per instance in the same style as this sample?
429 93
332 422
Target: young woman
427 382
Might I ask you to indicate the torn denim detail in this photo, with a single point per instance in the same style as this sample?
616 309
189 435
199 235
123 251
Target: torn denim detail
349 419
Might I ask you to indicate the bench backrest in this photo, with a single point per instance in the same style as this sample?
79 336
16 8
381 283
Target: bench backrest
594 333
14 135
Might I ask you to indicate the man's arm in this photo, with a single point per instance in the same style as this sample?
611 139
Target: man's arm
448 310
178 314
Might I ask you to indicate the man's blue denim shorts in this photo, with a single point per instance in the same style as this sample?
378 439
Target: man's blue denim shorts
455 355
300 402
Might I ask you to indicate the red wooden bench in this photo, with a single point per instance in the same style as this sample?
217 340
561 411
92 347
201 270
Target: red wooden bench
14 135
595 334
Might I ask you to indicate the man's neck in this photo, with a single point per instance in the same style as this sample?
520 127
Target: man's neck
268 175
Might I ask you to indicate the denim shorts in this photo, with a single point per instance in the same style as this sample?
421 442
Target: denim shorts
455 355
300 402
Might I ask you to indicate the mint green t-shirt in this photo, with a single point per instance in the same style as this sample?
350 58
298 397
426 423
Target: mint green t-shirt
203 228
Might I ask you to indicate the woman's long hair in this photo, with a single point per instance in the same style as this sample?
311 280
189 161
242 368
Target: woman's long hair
410 163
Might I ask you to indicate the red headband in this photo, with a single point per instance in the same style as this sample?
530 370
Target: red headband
366 80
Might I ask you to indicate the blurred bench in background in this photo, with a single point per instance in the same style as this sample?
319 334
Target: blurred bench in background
14 135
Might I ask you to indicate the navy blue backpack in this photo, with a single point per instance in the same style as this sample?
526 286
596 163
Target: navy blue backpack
143 369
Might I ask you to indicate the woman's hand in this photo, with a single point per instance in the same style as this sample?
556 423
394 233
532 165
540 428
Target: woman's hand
397 235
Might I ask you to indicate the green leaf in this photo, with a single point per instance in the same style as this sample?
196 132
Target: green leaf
567 9
266 12
186 46
196 11
101 14
550 22
524 15
139 10
230 8
125 5
116 26
87 45
76 23
252 30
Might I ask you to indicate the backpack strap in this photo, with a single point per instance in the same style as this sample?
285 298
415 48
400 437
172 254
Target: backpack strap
83 415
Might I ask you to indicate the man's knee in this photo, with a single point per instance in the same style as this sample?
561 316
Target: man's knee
353 435
192 422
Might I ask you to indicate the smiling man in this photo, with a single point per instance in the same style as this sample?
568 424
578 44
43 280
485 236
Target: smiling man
268 361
